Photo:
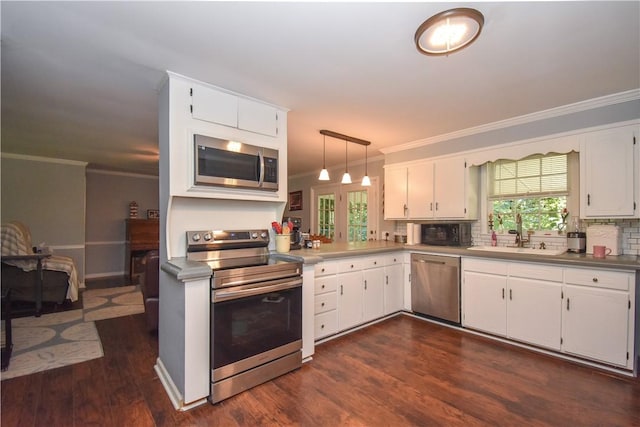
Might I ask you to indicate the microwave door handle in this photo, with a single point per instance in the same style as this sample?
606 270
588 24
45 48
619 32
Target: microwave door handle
260 168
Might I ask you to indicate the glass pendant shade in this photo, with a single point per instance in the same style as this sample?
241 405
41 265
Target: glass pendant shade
366 182
324 175
346 178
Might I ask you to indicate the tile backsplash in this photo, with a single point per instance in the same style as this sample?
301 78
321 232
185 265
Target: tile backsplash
630 235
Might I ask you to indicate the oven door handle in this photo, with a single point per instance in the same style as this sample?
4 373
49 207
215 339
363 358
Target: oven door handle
243 292
256 279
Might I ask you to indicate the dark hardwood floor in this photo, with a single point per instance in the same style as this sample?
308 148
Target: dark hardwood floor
403 371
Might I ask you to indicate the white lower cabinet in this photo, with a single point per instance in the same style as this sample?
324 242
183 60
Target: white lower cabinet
393 284
353 291
533 312
484 305
373 294
349 299
326 300
597 317
579 311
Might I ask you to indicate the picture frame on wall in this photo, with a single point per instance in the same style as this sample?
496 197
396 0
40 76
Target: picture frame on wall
153 214
295 200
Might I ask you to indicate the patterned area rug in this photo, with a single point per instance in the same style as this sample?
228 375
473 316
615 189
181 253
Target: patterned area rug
60 339
51 341
100 304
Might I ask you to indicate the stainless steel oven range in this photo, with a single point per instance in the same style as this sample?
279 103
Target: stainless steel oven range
256 309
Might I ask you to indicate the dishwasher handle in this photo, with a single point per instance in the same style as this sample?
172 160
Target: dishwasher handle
428 261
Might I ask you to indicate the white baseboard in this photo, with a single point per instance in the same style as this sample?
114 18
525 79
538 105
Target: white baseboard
172 390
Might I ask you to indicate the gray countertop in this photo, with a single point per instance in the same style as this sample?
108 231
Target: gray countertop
343 250
183 269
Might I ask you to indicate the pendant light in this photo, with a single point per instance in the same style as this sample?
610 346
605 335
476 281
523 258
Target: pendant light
366 182
324 173
346 178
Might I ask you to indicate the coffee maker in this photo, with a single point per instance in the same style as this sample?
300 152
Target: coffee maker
576 238
295 233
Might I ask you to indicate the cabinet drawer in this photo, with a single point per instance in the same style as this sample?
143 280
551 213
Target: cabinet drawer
393 259
350 265
325 284
324 268
373 262
484 266
326 324
325 302
535 271
598 278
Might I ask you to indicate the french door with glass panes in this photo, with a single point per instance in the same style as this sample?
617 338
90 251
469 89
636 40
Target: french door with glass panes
346 213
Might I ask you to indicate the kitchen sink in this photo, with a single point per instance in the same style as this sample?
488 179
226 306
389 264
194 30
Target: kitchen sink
515 250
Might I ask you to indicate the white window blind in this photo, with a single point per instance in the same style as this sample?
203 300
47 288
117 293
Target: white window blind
533 176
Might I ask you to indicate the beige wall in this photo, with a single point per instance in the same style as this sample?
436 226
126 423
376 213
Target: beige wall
47 195
108 197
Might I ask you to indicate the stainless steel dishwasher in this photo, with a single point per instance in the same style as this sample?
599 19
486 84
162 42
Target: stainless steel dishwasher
435 286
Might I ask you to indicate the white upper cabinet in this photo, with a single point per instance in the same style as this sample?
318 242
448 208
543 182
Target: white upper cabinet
257 117
455 193
440 189
609 173
395 193
223 108
214 106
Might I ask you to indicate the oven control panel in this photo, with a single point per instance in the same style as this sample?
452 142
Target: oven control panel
201 239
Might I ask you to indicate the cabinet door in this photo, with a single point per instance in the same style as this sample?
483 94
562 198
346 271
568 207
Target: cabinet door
214 106
595 323
257 117
420 190
349 300
393 288
484 303
607 173
395 193
450 192
534 310
373 294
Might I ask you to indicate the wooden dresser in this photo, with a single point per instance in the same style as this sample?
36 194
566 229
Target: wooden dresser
142 236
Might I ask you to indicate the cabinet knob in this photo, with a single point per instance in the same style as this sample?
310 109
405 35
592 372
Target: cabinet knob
351 265
375 262
595 280
321 326
322 304
323 270
322 286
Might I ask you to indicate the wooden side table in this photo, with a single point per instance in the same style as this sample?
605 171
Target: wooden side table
38 289
6 339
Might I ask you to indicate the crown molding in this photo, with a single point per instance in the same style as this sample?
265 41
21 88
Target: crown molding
590 104
42 159
119 173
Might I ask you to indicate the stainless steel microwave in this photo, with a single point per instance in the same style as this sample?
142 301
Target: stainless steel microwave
228 163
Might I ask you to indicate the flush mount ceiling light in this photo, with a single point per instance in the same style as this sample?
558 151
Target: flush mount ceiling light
449 31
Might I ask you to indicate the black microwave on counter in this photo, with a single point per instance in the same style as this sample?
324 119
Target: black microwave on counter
446 234
229 163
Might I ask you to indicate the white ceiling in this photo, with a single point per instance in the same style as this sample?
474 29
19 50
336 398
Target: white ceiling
80 79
